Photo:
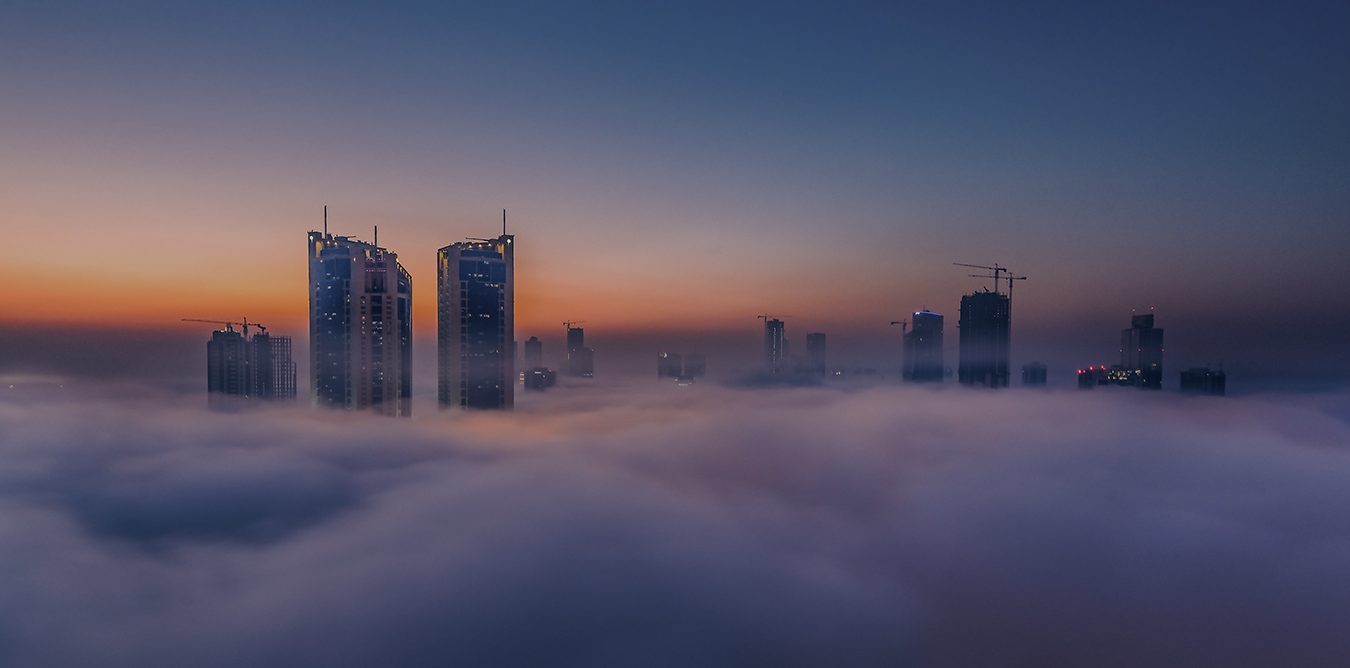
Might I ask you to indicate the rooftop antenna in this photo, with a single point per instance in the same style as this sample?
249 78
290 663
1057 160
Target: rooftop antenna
503 222
377 235
325 220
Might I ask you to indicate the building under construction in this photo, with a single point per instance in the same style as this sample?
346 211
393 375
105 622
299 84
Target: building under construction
238 367
986 330
923 361
580 359
985 342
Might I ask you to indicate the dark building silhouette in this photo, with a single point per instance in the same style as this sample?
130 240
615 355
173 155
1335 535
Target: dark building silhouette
360 326
227 366
695 366
1203 380
815 354
669 365
775 343
923 348
272 367
475 326
985 328
1141 351
580 359
1033 374
257 368
534 353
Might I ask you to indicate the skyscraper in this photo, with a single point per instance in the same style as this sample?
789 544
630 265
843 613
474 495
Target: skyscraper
475 326
360 326
815 353
1033 374
534 353
227 367
985 339
774 343
923 348
1141 351
580 359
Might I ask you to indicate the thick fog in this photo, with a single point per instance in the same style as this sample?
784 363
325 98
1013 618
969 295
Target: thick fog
650 525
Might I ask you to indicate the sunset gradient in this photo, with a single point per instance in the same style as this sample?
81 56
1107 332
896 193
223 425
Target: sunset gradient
670 173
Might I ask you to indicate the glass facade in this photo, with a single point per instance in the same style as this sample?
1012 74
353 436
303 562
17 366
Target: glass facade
476 324
360 326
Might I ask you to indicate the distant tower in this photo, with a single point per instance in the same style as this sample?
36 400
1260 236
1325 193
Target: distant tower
580 359
475 323
1203 380
669 365
923 348
985 339
534 353
227 366
1033 374
1141 351
774 343
815 353
360 326
695 365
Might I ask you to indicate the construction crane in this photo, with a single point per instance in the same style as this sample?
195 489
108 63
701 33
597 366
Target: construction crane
904 325
997 269
568 323
766 317
1009 278
229 323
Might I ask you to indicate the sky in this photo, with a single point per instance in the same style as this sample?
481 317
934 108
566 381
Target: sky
665 526
673 170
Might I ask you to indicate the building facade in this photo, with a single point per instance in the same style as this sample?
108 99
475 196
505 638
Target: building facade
1204 380
360 326
1034 374
923 361
580 359
257 368
985 328
816 363
227 367
475 326
775 344
1141 351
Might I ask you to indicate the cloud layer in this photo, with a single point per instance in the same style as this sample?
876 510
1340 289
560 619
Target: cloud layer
675 527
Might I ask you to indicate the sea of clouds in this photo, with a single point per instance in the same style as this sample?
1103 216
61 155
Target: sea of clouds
664 526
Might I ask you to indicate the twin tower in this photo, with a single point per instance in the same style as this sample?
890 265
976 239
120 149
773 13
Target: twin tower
360 324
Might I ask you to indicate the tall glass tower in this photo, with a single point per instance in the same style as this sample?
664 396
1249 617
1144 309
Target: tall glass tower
360 326
475 323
